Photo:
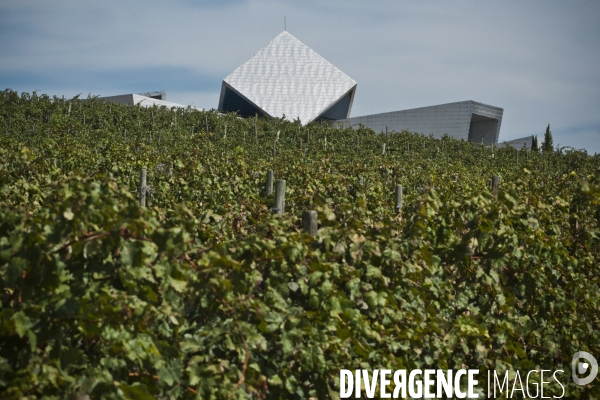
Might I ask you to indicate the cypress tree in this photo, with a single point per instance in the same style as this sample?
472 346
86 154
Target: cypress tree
534 144
547 145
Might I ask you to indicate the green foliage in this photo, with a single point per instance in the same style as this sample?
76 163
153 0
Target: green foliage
534 143
204 294
547 144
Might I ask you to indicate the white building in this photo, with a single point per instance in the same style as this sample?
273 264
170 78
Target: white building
143 99
288 78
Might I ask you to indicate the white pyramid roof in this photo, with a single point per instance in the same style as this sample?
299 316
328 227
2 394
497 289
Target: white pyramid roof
287 77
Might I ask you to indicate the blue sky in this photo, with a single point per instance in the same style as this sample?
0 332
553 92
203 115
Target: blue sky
537 59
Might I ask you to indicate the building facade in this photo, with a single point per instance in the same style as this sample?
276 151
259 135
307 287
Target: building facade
469 120
144 99
288 78
519 144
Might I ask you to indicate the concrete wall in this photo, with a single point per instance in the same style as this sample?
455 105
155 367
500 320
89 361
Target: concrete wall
462 120
120 99
133 99
483 129
518 143
485 122
158 95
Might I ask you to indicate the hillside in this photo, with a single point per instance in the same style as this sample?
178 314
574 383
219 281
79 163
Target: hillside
204 293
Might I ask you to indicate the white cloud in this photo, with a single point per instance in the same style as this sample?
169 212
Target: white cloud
205 100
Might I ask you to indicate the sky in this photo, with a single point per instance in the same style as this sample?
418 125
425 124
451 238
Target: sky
537 59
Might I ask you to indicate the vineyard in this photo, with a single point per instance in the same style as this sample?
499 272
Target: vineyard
210 291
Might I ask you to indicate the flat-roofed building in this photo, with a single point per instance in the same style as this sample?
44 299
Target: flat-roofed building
288 78
520 143
469 120
158 95
146 101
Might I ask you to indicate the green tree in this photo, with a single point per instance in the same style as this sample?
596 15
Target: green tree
547 145
534 143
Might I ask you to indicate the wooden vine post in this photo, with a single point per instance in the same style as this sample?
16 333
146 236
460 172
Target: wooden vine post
279 208
386 173
309 222
495 184
269 183
398 198
143 187
255 129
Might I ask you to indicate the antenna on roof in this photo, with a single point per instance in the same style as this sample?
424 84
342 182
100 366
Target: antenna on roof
284 24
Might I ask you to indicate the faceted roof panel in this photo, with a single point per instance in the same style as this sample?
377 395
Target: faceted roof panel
287 77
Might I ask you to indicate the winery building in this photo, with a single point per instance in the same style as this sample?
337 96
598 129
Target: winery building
288 79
